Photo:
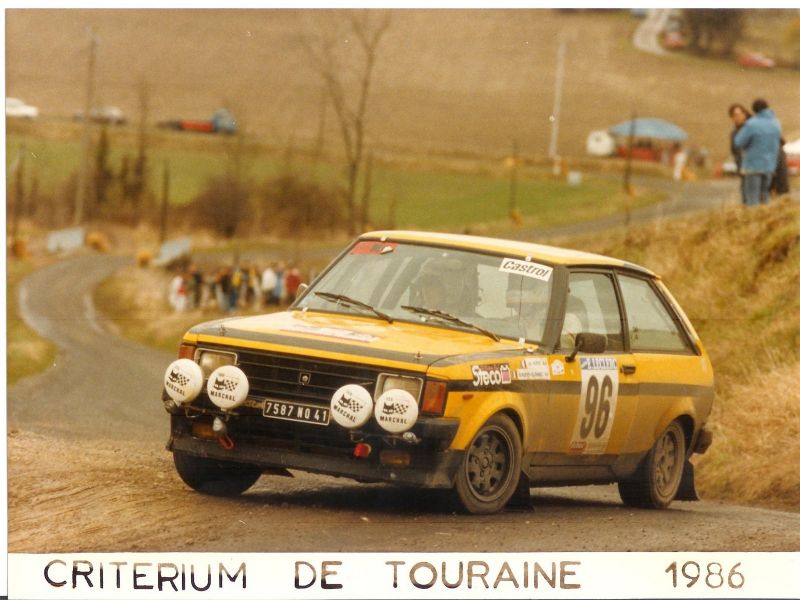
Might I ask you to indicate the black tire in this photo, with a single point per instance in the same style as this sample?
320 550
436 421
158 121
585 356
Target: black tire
655 483
490 473
215 477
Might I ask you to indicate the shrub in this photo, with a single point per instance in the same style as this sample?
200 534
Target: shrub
289 204
222 207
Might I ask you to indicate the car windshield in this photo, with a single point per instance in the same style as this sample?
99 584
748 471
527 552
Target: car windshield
457 289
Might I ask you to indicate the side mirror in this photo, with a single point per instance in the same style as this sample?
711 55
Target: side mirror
591 343
301 289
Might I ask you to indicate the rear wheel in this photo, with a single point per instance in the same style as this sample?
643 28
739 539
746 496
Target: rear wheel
215 477
490 473
656 481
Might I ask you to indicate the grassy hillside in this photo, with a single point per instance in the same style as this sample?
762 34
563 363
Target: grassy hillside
737 275
445 81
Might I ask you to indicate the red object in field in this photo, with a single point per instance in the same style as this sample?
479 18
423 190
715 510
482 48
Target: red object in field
641 153
793 163
203 126
674 40
755 59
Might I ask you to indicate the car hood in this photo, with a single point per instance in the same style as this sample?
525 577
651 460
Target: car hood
348 338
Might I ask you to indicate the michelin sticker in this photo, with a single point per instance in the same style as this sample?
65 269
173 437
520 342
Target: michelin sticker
228 387
533 368
598 404
183 380
335 332
485 375
396 411
351 406
527 269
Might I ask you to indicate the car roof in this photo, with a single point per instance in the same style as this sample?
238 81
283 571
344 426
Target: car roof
549 254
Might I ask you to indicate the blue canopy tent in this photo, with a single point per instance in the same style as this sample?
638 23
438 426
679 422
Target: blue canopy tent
656 129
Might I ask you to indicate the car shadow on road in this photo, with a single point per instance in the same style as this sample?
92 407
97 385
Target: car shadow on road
378 498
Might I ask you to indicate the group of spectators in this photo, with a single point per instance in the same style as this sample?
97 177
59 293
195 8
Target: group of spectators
757 147
229 288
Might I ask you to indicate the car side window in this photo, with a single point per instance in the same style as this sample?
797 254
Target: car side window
651 327
592 307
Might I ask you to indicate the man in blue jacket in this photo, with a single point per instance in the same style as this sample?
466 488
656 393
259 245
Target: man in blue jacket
759 139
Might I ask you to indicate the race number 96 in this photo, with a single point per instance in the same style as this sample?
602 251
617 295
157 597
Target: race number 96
598 403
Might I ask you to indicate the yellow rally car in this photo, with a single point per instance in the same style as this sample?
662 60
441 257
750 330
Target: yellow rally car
447 361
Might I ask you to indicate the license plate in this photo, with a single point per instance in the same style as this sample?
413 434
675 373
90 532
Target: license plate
293 411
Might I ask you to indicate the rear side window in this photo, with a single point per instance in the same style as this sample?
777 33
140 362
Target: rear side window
651 326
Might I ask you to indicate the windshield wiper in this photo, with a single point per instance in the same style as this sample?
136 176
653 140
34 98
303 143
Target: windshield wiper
438 314
353 302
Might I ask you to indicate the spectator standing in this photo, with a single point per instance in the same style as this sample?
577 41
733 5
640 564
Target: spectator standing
759 139
679 162
738 114
293 281
177 292
195 285
279 290
237 279
268 282
253 287
780 182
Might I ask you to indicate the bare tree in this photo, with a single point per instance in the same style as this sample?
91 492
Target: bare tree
350 109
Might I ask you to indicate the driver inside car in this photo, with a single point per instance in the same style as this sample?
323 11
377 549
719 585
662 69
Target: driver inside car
528 300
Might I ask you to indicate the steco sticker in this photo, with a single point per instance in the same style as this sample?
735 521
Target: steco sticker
486 375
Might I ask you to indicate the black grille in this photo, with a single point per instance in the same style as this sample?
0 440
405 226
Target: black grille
279 376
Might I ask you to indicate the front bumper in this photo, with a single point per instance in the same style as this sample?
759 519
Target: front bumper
432 464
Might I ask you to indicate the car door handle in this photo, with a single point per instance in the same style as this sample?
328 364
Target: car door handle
628 369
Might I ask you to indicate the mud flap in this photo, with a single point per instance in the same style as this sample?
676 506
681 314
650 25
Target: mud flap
521 499
686 490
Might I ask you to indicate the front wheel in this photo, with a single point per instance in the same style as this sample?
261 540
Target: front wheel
490 473
655 483
215 477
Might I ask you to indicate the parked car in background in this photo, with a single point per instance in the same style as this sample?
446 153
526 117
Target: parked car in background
792 150
479 365
18 109
222 121
755 59
112 115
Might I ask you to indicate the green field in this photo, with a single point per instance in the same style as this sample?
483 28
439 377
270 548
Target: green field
427 196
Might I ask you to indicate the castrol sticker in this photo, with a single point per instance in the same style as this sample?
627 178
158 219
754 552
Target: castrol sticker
526 269
228 387
396 411
351 406
488 375
183 380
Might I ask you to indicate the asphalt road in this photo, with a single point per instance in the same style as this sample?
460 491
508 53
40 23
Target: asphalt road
88 471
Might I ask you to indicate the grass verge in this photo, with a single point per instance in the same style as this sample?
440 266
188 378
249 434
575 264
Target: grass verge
27 353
